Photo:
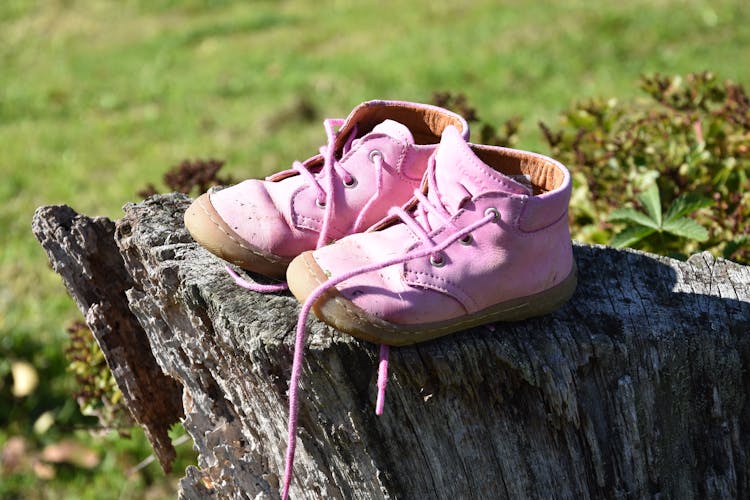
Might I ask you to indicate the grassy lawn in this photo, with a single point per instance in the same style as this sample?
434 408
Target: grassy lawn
98 98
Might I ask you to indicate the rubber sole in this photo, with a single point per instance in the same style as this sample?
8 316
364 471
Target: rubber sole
208 228
304 275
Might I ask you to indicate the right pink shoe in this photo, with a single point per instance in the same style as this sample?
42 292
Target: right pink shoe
374 161
485 239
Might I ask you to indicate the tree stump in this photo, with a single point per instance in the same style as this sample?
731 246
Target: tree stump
636 388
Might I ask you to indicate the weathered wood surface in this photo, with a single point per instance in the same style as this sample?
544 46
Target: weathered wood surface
83 251
637 388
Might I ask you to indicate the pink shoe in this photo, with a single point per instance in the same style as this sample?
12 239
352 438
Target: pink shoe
374 161
487 241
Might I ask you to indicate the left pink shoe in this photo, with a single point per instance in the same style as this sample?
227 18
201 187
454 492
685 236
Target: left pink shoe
373 160
485 239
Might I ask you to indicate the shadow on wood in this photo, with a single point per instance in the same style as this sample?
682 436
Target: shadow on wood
637 387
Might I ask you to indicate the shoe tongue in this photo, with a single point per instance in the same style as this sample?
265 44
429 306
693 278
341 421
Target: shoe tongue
390 128
394 129
460 174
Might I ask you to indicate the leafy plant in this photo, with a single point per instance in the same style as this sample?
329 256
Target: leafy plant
682 155
97 393
690 139
651 221
191 176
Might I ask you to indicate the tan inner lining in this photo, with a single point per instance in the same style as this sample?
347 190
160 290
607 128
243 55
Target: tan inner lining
426 125
544 175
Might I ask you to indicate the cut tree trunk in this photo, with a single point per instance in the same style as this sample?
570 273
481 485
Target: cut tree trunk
636 388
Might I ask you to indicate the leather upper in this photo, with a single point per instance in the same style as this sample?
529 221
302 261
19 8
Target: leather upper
526 251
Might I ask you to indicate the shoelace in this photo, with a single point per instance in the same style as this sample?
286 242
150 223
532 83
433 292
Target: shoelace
325 194
421 226
325 200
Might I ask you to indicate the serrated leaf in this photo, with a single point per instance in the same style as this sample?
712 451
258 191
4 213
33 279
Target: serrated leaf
652 203
631 235
721 177
686 228
687 204
632 215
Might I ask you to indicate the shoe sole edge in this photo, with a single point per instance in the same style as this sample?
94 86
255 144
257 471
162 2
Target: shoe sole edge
304 275
207 228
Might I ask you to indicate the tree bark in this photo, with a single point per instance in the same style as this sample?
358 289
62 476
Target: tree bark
83 251
636 388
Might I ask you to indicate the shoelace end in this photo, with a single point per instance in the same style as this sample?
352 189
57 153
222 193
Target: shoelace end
255 287
382 379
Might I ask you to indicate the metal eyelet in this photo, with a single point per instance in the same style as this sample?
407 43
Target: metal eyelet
466 240
320 204
494 212
352 183
374 153
437 262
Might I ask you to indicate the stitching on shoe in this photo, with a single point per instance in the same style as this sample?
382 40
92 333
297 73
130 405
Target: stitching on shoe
472 159
303 218
362 315
400 163
216 223
367 318
521 210
347 304
513 225
301 221
448 283
396 168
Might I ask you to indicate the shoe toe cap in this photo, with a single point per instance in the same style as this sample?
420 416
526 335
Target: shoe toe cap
212 231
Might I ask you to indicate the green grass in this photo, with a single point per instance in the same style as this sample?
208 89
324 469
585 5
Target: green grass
98 98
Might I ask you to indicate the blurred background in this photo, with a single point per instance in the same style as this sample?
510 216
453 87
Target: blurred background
98 99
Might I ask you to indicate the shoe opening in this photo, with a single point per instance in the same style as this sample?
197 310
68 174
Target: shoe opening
426 123
539 173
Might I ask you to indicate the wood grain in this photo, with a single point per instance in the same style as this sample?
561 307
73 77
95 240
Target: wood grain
638 387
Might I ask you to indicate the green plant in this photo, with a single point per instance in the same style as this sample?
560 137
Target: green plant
685 151
191 177
643 224
97 392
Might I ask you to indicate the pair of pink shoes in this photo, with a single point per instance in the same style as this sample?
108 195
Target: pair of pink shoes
400 231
